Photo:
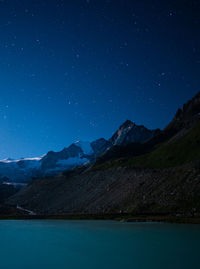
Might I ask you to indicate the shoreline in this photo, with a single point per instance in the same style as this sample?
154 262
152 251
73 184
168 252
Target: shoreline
116 217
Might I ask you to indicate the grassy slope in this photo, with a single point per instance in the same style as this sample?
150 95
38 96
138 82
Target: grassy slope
177 152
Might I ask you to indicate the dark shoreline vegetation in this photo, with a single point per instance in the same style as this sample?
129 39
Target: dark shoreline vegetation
116 217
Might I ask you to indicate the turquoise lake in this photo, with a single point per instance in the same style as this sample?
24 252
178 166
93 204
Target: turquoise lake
56 244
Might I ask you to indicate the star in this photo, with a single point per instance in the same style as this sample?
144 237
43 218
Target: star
171 13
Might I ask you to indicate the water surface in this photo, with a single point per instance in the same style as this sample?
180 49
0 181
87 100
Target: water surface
54 244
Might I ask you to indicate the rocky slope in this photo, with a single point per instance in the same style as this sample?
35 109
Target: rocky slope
181 148
172 190
185 120
161 175
129 132
186 117
6 191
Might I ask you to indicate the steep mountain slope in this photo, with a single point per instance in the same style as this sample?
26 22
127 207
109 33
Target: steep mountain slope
129 132
186 117
182 148
131 140
144 191
166 179
178 151
167 149
77 154
99 146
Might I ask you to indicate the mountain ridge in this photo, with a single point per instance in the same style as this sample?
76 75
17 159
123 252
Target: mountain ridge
127 184
77 154
129 140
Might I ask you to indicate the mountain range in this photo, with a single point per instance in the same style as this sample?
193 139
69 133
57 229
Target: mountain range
136 171
77 154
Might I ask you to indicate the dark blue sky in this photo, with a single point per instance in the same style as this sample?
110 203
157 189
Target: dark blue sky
77 69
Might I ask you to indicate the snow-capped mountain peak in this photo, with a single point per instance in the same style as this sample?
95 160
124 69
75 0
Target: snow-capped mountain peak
129 132
119 136
77 154
10 160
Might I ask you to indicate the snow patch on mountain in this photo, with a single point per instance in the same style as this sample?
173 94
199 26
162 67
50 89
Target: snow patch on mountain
121 133
77 154
9 160
85 146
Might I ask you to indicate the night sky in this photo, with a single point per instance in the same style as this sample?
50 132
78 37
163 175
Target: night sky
75 70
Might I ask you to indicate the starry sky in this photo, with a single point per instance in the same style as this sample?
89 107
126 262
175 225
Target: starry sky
77 69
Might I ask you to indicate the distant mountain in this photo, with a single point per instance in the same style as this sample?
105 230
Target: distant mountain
178 143
77 154
99 146
20 170
130 140
23 170
156 176
129 132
